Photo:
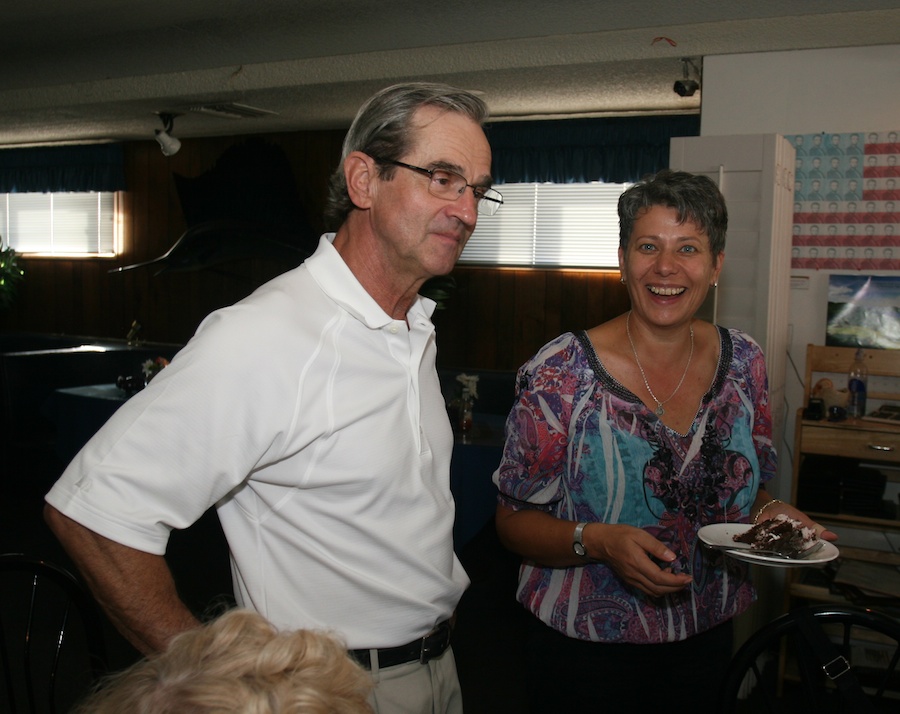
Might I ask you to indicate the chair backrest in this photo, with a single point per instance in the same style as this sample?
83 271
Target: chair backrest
855 668
52 647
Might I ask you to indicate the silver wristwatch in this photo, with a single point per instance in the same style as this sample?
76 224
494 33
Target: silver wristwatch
577 542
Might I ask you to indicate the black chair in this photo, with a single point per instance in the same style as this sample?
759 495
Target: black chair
822 658
52 647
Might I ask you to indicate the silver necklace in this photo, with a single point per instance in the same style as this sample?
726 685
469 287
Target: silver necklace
659 404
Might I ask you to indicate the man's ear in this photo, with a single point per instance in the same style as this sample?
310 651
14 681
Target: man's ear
359 170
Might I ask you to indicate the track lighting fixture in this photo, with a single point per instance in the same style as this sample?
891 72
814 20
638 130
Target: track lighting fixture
686 87
168 143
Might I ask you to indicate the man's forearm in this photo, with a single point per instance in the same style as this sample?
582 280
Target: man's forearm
135 589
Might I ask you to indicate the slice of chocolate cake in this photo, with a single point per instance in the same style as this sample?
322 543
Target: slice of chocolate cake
781 534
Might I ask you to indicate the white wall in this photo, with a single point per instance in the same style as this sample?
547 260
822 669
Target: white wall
854 89
803 92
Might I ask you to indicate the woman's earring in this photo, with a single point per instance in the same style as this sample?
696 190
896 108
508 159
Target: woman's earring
716 284
622 280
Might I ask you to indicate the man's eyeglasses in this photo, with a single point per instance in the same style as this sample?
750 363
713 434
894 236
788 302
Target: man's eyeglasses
450 185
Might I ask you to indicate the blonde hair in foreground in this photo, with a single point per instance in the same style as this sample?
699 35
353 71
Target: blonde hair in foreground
239 663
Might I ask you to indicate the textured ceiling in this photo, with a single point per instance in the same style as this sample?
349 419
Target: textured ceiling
100 70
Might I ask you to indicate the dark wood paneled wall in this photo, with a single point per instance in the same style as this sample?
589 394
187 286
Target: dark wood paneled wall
81 297
498 318
495 318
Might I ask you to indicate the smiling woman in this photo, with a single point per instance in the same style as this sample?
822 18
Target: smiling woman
625 439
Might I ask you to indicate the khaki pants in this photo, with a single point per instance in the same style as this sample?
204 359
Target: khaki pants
414 688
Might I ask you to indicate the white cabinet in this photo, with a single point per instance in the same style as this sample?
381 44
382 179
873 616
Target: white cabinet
756 175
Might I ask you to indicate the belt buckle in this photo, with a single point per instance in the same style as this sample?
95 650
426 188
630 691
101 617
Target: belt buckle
441 636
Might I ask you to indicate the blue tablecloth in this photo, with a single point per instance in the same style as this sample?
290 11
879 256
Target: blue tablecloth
79 412
476 455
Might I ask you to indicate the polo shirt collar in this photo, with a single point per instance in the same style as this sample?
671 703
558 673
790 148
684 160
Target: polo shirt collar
337 281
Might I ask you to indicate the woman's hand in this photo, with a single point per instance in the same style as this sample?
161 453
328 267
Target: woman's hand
633 554
776 506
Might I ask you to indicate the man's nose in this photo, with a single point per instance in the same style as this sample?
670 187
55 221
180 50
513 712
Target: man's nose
466 206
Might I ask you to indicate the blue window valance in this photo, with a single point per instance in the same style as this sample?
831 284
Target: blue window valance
612 150
95 167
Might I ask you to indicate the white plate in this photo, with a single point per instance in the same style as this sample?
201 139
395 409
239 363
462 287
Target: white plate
723 534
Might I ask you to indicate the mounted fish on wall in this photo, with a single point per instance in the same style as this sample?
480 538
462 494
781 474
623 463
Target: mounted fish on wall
245 207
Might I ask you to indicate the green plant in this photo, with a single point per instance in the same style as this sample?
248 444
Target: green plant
10 275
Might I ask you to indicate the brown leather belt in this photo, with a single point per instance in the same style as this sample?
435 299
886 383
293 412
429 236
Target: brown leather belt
426 648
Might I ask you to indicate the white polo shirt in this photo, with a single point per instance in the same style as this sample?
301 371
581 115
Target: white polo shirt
316 424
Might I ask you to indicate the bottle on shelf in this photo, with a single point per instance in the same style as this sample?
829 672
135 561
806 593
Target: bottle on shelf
857 380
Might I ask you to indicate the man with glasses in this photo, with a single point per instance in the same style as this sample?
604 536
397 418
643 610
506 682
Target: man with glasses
311 415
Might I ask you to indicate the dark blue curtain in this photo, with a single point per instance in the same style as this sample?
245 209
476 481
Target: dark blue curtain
98 167
613 150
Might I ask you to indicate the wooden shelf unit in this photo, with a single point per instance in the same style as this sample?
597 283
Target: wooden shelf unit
869 442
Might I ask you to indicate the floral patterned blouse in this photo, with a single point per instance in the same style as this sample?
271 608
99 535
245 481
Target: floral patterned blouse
582 447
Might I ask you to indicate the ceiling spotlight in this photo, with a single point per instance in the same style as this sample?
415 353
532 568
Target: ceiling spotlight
168 143
686 87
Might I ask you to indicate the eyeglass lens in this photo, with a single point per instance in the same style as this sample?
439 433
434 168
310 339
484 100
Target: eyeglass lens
450 186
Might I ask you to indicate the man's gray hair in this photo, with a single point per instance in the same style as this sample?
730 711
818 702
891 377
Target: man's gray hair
383 128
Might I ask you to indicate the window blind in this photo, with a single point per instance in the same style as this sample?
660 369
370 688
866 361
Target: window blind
59 223
550 225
